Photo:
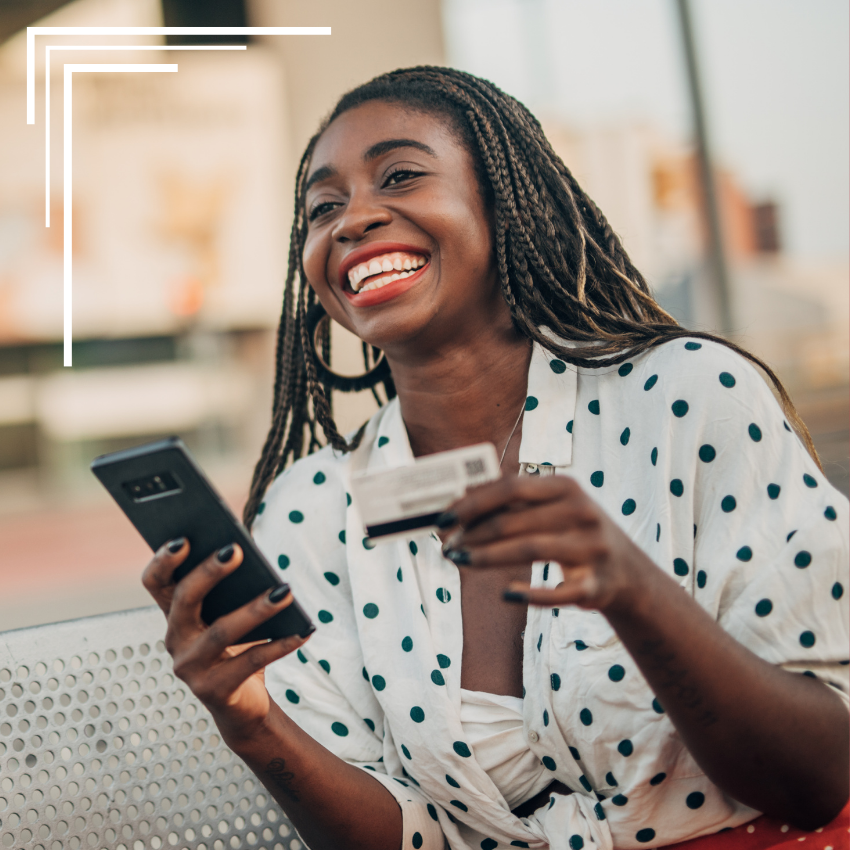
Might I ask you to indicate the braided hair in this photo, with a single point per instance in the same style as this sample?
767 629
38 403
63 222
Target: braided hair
560 265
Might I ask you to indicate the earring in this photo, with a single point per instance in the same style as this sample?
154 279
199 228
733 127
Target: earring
316 320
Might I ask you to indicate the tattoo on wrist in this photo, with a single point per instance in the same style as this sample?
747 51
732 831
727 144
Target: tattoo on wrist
675 683
282 778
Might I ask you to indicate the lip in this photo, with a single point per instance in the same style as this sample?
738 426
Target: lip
387 291
375 249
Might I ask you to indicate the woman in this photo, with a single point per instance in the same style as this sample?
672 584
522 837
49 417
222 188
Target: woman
434 221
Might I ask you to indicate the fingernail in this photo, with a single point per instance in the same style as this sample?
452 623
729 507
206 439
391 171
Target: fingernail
460 556
176 545
310 629
446 520
514 596
225 553
278 593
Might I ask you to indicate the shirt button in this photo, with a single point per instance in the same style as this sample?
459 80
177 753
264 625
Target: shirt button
532 469
533 737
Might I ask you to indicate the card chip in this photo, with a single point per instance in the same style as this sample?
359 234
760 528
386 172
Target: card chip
474 467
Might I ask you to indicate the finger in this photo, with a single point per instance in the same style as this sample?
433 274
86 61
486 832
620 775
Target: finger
228 676
501 494
239 648
190 591
567 548
579 587
157 576
555 516
226 630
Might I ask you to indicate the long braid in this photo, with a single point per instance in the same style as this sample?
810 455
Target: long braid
560 265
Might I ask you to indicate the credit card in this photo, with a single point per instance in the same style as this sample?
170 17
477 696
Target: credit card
394 502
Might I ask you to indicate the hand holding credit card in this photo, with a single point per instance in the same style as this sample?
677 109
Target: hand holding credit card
394 502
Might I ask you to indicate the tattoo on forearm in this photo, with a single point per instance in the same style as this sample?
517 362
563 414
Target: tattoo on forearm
282 778
675 682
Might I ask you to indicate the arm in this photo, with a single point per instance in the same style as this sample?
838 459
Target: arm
330 802
774 740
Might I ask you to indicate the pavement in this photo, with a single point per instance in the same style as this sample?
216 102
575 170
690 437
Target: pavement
67 562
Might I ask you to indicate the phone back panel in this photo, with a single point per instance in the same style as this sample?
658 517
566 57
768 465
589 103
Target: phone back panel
166 495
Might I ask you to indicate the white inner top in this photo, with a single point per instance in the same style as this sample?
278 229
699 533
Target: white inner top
492 725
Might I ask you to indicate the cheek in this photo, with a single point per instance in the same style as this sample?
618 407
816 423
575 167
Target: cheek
314 258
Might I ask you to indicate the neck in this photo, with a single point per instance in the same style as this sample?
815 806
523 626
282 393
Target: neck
465 393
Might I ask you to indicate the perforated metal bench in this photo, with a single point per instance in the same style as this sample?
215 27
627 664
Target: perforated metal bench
102 748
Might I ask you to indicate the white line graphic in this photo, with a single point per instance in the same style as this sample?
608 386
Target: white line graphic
32 32
47 52
70 69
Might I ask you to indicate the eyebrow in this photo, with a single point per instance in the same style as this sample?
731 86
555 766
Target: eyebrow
377 150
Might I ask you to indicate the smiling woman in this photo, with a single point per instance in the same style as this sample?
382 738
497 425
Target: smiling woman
592 702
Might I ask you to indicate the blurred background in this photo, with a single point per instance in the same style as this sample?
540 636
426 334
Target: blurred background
182 207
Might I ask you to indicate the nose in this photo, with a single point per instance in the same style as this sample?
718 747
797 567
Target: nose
362 214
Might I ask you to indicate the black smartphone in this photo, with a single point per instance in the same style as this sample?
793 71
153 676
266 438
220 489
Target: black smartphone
165 495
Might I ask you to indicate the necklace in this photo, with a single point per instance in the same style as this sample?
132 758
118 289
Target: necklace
513 431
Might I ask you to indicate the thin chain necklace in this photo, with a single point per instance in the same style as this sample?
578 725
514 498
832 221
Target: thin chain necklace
513 431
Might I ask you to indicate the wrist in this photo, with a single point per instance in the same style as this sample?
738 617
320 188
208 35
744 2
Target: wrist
637 592
242 738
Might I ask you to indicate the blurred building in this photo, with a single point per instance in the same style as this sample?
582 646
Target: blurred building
182 210
182 205
791 314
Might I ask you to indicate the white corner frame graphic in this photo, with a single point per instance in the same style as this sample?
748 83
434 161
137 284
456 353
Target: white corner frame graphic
69 70
47 54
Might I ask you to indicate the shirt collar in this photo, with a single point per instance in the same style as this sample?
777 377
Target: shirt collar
547 438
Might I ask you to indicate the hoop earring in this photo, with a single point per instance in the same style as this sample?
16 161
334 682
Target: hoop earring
315 320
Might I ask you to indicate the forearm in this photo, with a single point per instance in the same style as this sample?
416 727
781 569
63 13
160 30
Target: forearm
774 740
331 803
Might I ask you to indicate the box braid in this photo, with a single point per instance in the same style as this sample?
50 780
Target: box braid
560 264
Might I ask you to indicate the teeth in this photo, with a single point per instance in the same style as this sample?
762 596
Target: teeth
383 281
400 262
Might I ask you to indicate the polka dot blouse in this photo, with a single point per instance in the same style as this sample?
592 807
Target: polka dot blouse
686 448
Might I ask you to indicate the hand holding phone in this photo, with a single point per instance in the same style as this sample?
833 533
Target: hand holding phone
214 586
227 678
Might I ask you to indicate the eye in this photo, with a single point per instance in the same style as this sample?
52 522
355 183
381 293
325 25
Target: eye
400 175
320 209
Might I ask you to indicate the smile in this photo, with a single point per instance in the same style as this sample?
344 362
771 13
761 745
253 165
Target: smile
383 269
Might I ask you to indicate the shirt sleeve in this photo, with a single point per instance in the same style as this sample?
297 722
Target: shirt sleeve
770 546
322 686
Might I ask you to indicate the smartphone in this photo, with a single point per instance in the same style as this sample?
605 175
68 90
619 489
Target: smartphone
165 495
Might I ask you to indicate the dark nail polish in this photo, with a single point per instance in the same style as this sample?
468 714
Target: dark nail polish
514 596
459 556
278 593
446 520
225 553
310 629
176 545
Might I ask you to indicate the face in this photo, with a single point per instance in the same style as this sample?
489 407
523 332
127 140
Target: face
399 246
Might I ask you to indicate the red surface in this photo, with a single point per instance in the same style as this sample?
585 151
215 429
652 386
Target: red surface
766 833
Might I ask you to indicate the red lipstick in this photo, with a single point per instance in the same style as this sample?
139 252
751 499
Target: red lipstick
388 291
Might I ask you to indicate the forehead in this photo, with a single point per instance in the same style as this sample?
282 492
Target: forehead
350 135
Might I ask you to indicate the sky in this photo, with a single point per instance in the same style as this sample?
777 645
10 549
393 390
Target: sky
775 76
